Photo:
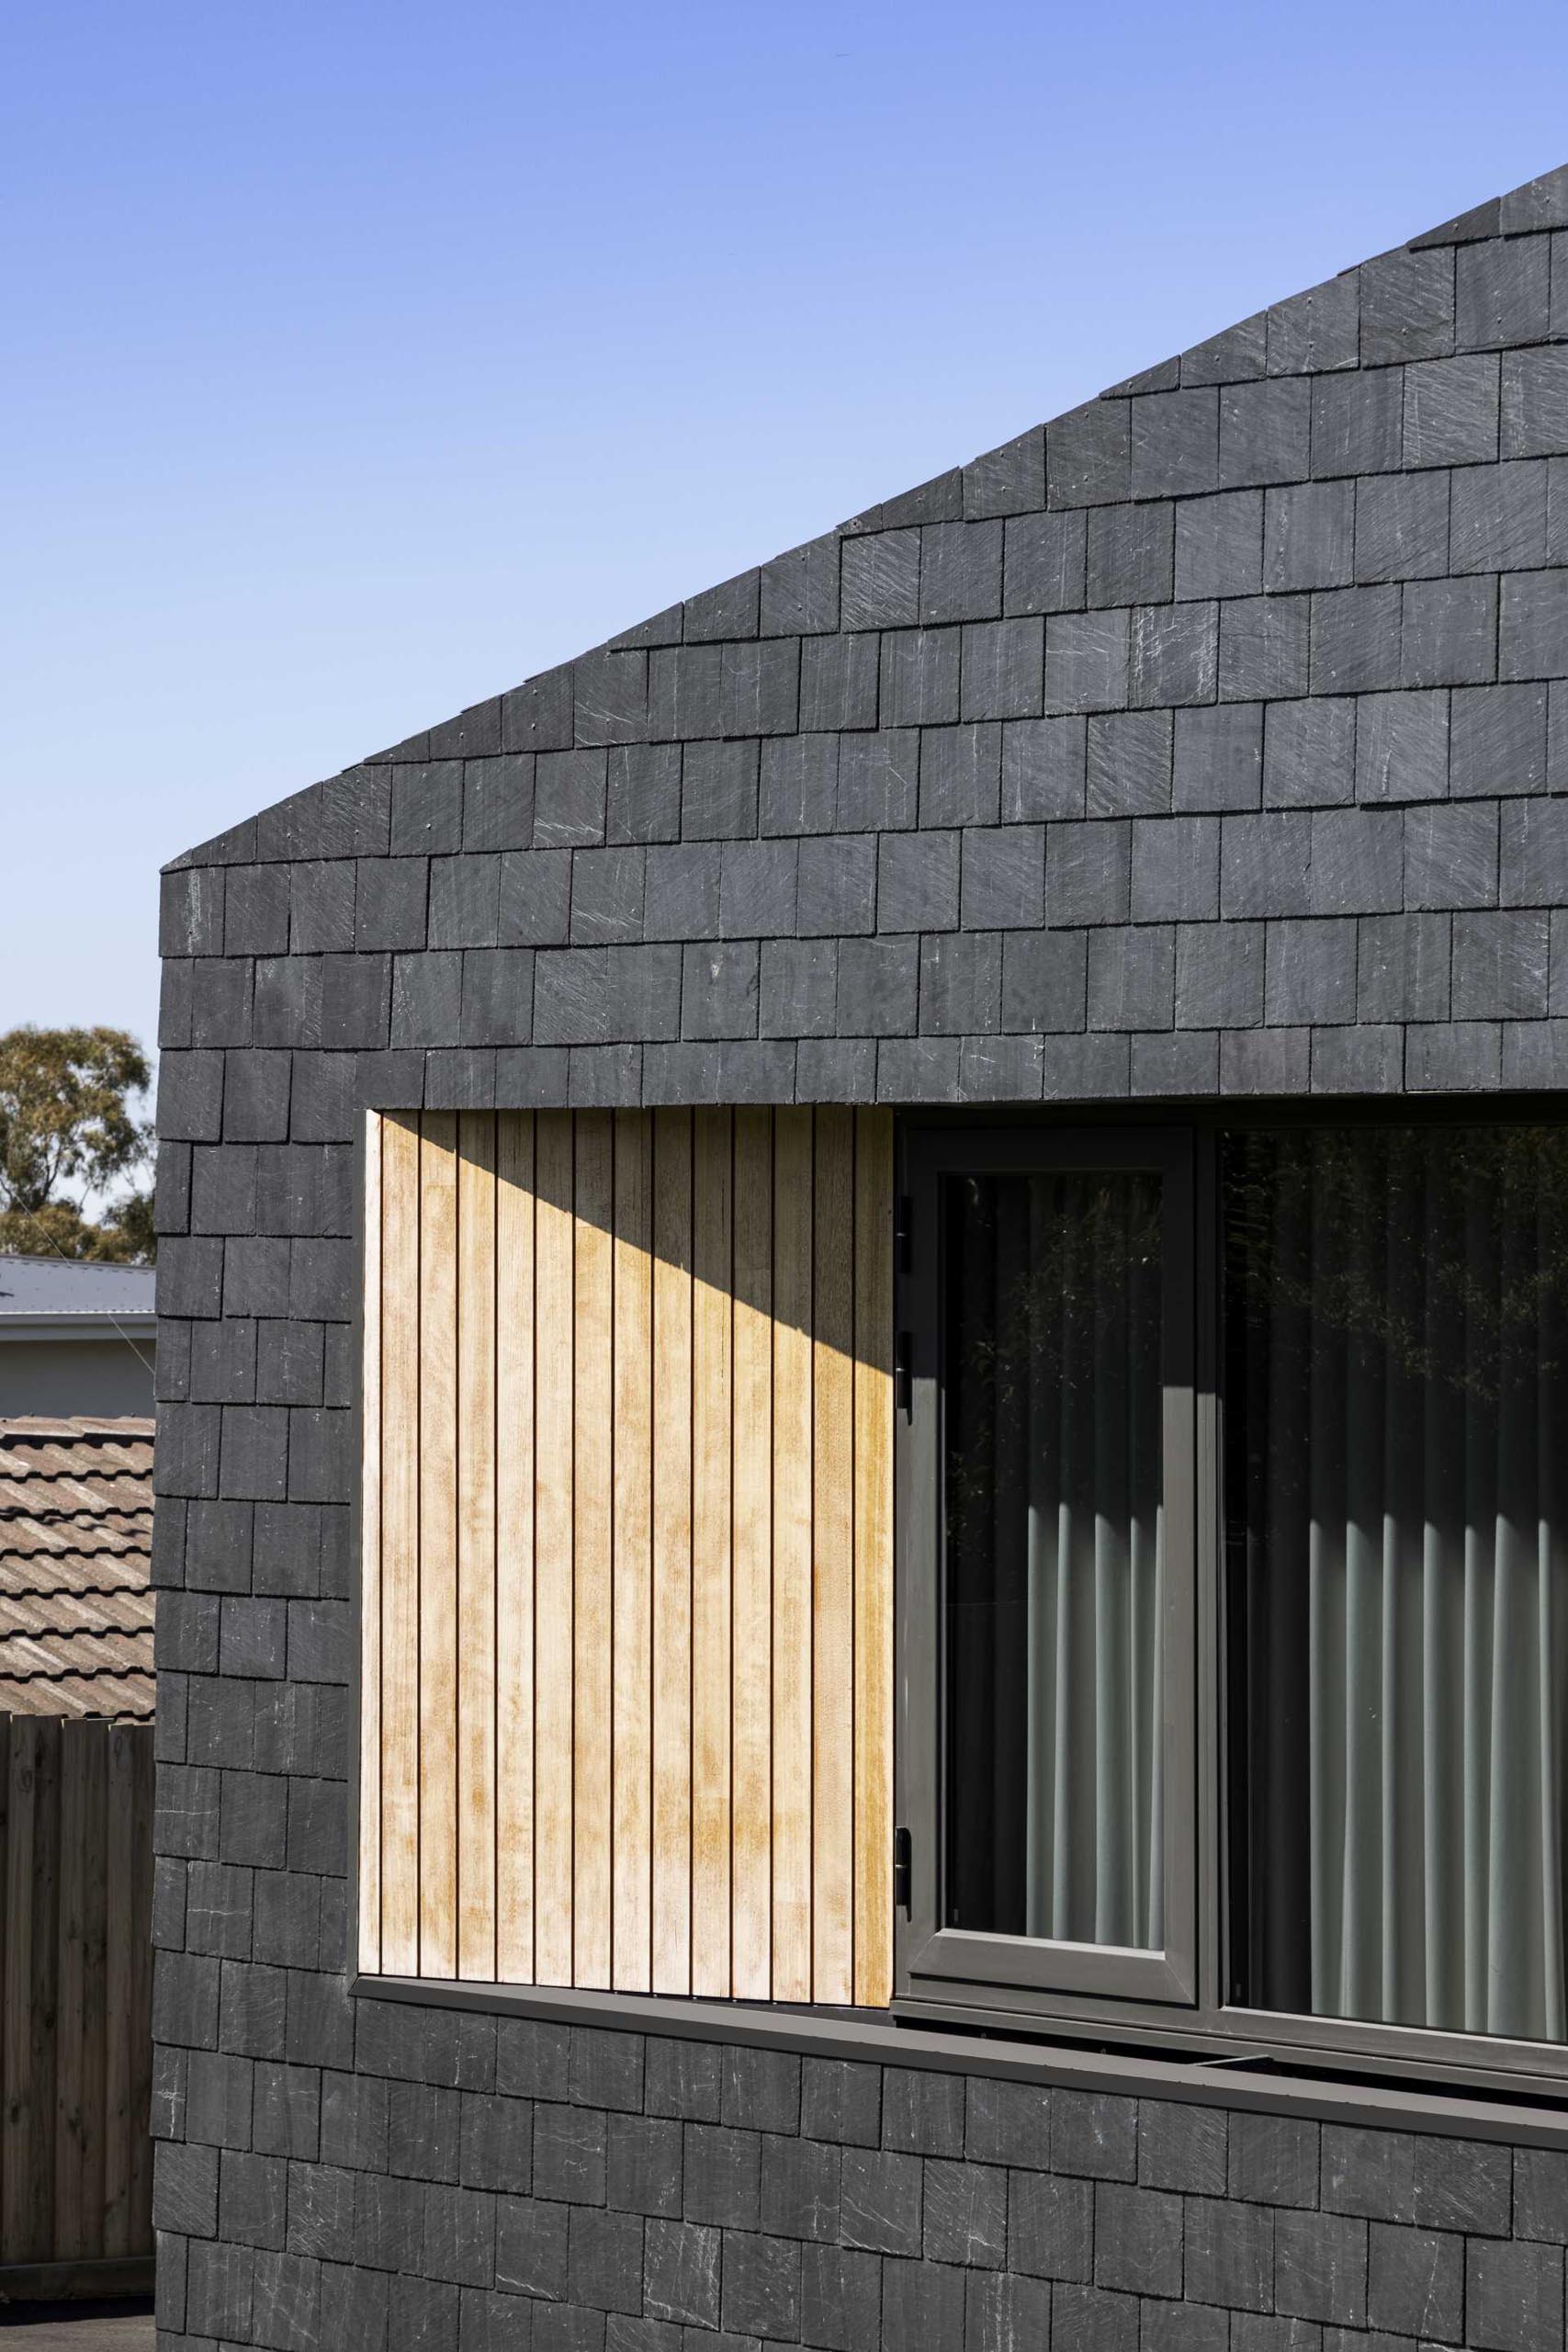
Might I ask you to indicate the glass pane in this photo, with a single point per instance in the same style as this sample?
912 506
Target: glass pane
1397 1471
1054 1556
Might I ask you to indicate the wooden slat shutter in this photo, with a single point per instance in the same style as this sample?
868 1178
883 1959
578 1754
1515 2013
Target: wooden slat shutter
627 1526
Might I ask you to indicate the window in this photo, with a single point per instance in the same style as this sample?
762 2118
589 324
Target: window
1234 1600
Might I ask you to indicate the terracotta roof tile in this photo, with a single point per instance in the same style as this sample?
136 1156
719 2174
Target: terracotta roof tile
76 1555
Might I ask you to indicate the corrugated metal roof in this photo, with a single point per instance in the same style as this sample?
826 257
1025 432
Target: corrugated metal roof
76 1560
33 1287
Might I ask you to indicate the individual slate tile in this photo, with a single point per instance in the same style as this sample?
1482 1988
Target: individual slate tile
1407 306
1265 432
879 780
1175 444
919 678
1513 2294
798 792
1132 978
728 610
1086 662
1265 864
1218 546
1403 968
1175 869
1310 975
1451 410
1317 331
1451 856
960 776
1499 742
1043 767
1357 424
917 881
1500 967
961 572
1453 1057
1416 2282
1087 873
1356 639
1498 517
1003 878
1008 481
1176 1061
1504 292
1309 752
837 683
881 581
1264 647
1042 565
1218 757
1308 536
1129 764
1532 639
1218 985
1449 632
1002 667
800 590
1232 356
1088 455
1401 747
1534 853
1362 1059
961 982
1173 655
1535 404
1402 526
1043 984
1130 555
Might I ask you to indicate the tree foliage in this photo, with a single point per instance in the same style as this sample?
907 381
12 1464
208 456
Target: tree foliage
68 1136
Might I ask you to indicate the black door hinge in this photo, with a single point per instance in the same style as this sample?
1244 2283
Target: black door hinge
903 1378
903 1871
904 1234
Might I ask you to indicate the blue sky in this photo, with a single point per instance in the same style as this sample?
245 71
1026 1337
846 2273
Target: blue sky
359 360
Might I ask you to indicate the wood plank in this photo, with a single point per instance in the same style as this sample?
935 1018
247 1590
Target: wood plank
593 1617
43 1996
400 1545
368 1905
515 1548
553 1474
632 1556
832 1523
672 1551
874 1558
142 1741
751 1509
791 1620
438 1545
713 1215
70 2230
94 1933
18 2120
475 1545
120 2014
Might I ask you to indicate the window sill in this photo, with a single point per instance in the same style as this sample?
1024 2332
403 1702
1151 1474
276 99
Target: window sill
1261 2082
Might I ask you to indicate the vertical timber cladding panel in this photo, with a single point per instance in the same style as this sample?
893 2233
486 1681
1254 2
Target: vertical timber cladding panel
627 1583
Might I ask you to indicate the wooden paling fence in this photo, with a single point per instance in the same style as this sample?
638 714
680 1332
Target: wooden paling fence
76 2000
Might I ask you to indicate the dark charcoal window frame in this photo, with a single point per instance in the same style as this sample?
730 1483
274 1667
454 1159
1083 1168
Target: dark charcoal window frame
1194 1996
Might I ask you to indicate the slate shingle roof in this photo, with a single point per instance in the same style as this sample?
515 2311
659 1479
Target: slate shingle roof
75 1554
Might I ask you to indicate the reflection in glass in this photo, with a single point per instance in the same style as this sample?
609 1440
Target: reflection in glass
1054 1556
1397 1468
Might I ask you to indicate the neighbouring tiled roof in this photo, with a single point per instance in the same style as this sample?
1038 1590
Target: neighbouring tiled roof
76 1555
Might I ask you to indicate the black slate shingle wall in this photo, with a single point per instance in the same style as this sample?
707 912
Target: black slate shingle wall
1212 738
